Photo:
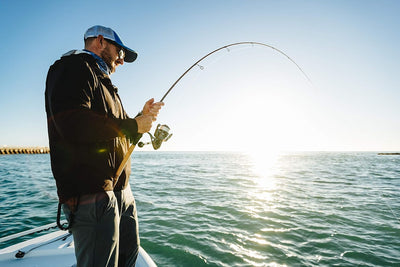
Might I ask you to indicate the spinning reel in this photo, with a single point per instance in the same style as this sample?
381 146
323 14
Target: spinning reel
161 134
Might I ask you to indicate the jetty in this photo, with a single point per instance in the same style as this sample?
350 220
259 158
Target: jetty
389 153
24 150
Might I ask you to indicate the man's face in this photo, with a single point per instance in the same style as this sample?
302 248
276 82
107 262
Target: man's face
111 56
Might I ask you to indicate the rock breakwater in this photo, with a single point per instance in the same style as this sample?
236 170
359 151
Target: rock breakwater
24 150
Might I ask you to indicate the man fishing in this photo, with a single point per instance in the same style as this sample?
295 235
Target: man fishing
89 135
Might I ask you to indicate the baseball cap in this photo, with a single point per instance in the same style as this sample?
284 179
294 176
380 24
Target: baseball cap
109 34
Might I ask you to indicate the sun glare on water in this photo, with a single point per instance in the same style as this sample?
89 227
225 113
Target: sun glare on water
263 161
263 164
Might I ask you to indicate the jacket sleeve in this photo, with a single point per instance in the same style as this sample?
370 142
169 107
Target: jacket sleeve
69 93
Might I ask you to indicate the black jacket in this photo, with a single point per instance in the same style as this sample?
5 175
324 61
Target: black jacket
87 126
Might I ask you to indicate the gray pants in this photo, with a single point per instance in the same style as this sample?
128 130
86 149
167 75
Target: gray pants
105 229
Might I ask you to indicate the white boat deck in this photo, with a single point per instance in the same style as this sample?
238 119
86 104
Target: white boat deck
52 250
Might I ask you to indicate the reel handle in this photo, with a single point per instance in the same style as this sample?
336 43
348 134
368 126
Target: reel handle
161 135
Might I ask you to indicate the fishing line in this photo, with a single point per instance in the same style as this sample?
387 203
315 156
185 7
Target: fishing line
389 206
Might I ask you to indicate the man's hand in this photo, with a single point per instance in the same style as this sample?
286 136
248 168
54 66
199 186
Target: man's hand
144 123
149 114
152 108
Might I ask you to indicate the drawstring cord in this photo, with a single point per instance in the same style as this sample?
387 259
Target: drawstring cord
71 217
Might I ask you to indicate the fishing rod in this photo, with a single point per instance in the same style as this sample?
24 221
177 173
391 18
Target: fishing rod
161 133
226 47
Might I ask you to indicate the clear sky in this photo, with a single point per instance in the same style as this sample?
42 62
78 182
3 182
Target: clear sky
244 98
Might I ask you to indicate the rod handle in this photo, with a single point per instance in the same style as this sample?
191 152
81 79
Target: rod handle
123 164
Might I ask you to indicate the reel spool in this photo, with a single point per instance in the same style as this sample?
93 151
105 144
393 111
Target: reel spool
161 134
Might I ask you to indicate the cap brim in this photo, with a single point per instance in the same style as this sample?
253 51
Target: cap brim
130 55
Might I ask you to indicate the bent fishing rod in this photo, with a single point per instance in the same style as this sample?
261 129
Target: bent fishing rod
161 133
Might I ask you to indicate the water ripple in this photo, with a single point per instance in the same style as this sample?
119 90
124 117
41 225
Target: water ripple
219 209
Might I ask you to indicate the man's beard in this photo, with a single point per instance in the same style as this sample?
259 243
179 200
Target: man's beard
106 56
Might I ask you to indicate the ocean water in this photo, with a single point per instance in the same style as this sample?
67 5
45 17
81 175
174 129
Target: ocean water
236 209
